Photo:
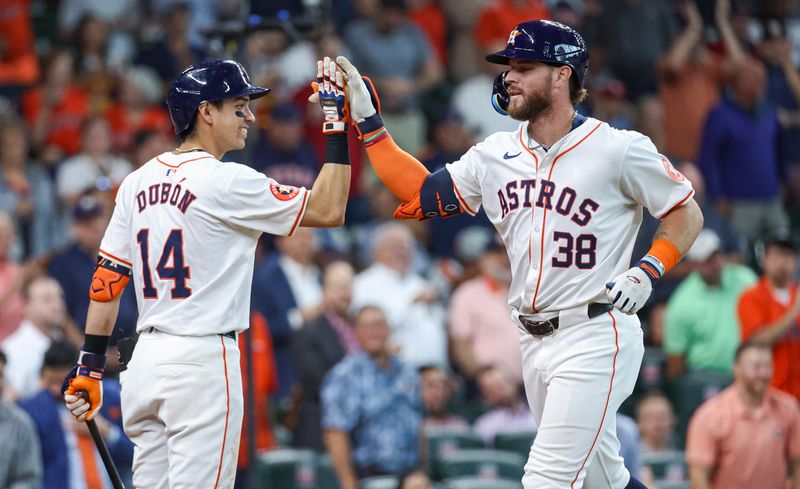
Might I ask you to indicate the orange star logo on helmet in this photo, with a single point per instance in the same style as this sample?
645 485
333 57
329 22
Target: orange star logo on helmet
283 192
513 36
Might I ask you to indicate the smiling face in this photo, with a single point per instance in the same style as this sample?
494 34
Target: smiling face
532 87
229 121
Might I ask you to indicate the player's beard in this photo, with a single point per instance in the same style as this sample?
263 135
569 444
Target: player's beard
534 104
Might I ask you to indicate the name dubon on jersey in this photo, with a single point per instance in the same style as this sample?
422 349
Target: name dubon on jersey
188 226
567 216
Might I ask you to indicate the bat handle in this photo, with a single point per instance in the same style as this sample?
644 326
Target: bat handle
113 474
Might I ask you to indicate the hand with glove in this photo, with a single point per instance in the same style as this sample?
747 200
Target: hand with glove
329 93
365 106
86 379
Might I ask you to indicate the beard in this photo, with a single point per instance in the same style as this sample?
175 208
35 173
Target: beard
534 104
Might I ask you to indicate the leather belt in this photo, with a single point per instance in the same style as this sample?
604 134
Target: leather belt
227 334
549 326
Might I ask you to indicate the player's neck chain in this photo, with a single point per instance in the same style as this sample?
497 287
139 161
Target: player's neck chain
545 148
180 151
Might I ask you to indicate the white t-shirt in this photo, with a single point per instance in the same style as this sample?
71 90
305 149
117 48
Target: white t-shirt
568 216
188 225
25 349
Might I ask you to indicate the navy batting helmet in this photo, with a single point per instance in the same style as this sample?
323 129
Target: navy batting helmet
206 82
547 42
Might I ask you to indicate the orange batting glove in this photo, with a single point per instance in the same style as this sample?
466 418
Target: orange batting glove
85 378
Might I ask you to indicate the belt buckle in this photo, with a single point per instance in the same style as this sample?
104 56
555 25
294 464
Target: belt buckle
538 328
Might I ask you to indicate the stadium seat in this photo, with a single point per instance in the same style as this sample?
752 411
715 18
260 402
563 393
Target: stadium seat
326 477
478 483
518 442
668 466
485 464
288 468
382 482
442 441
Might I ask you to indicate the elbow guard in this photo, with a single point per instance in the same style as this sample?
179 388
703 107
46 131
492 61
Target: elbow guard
109 280
437 196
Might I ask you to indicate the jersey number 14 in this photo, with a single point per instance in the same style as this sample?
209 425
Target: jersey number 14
170 265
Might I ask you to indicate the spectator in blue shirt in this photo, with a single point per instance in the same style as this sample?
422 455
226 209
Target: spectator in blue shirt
371 407
73 268
739 157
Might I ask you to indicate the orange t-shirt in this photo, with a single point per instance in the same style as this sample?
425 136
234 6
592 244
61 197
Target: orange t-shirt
65 120
497 20
688 95
124 129
757 309
745 449
432 21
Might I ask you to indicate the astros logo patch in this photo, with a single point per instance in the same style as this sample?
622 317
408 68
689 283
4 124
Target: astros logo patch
513 36
671 171
283 192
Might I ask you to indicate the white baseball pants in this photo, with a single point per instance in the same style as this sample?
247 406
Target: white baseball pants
575 381
182 408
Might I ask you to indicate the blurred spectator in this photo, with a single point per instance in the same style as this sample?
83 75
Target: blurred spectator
204 15
55 109
282 154
472 100
656 421
95 168
509 412
11 278
20 454
70 458
287 291
174 50
498 19
27 193
19 65
634 34
691 76
462 49
482 331
149 144
138 108
416 479
416 318
273 60
319 345
739 157
748 435
429 16
119 13
395 53
74 266
371 407
701 325
769 313
44 322
91 44
437 389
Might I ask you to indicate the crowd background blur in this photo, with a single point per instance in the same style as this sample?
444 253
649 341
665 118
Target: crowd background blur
714 83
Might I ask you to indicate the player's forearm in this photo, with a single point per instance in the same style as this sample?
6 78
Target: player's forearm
775 331
102 316
681 226
682 48
328 200
338 445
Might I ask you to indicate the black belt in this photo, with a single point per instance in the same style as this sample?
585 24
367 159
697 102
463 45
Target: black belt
227 334
549 326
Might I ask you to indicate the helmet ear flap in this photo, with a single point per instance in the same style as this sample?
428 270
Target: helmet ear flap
500 97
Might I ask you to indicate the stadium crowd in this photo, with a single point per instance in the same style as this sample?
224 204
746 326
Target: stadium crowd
382 348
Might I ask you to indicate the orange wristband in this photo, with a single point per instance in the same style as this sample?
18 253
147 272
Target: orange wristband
661 257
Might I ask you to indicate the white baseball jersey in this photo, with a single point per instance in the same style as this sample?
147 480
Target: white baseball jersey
188 225
568 216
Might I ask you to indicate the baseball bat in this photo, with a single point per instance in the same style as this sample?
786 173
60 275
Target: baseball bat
116 481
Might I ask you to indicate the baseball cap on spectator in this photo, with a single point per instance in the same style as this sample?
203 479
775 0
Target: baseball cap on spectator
87 208
706 244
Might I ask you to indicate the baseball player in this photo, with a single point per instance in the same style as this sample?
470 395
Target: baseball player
566 193
185 227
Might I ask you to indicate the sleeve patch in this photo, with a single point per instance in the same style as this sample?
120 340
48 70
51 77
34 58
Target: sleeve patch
283 192
671 171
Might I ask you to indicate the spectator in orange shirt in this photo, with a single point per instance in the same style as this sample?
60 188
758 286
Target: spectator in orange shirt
56 109
768 313
498 18
18 63
748 436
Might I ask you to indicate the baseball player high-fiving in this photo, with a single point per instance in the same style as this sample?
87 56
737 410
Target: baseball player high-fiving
566 193
185 228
